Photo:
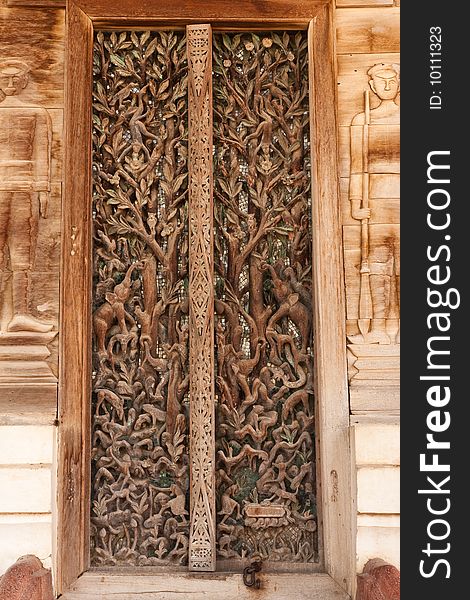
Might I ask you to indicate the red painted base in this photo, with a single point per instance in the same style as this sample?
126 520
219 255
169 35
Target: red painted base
378 581
27 579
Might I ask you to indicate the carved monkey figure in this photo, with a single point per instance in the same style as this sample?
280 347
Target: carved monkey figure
290 304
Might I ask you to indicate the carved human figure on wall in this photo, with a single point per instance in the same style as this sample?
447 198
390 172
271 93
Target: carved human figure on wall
25 150
375 158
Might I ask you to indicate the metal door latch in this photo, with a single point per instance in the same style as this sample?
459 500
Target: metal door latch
249 575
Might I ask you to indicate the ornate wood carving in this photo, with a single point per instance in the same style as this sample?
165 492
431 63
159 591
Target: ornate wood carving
149 301
375 151
201 300
266 502
140 471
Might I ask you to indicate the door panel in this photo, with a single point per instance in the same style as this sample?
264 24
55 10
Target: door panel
176 257
265 459
140 458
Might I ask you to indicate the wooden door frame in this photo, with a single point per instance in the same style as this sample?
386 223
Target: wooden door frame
336 508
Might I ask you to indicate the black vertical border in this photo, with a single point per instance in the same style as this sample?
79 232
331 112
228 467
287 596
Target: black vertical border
422 131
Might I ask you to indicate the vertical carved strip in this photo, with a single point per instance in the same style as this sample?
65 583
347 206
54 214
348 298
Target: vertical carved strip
201 294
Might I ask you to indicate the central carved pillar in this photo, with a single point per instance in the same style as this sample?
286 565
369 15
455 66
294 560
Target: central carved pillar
201 294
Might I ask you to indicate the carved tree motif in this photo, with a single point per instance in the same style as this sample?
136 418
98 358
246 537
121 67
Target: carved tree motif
156 300
265 419
140 471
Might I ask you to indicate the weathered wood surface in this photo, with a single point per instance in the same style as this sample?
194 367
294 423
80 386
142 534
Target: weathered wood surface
34 113
44 294
23 358
107 586
332 417
384 202
345 161
369 361
362 30
245 267
358 3
279 14
146 299
378 396
74 384
335 438
352 258
25 186
374 375
374 151
37 3
37 403
371 418
202 537
373 369
353 80
42 48
57 120
362 400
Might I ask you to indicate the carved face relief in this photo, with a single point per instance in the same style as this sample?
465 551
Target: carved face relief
13 78
385 84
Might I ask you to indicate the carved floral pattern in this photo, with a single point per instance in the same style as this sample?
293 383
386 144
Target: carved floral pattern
265 459
140 463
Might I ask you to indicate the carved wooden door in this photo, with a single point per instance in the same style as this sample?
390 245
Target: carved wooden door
203 446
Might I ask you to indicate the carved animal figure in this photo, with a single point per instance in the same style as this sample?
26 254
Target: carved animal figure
290 304
228 504
113 309
176 504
